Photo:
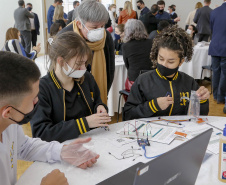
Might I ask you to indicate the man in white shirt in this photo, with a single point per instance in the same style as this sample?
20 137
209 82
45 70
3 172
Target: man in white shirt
19 89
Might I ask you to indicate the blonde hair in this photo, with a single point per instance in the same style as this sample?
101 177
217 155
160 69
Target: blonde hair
198 5
111 6
128 6
12 33
58 13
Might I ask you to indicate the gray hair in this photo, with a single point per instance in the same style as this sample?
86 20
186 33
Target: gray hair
134 30
92 11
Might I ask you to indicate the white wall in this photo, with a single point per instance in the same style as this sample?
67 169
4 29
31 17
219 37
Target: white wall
7 18
183 7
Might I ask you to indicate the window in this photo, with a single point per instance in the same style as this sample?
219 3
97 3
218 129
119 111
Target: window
68 5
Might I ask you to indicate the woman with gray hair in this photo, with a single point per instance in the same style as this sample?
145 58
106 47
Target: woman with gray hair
136 50
92 17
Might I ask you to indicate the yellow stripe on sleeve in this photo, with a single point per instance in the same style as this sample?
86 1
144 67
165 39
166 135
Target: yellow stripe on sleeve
83 125
79 126
154 105
151 107
203 101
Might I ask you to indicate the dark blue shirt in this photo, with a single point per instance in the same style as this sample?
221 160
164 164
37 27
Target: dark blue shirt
164 15
144 11
50 17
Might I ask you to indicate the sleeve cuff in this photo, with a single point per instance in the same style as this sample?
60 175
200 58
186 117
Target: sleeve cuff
56 152
117 52
154 106
82 125
203 101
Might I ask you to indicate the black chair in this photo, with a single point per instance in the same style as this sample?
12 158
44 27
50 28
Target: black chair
122 92
210 69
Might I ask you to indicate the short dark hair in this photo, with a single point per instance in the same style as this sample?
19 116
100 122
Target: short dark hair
54 29
59 1
207 1
21 2
29 4
120 9
161 3
140 1
162 25
17 74
172 7
75 3
154 8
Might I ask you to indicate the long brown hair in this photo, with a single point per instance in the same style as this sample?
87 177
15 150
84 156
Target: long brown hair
68 45
12 33
198 5
111 6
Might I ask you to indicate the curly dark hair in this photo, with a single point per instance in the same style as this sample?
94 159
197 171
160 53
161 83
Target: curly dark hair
175 39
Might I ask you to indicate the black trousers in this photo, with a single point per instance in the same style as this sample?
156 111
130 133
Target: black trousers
26 40
33 38
203 37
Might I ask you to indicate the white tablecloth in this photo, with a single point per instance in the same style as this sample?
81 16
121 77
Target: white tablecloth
107 165
194 67
43 63
117 85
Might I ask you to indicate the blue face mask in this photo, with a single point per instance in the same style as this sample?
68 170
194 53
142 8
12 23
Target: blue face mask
117 37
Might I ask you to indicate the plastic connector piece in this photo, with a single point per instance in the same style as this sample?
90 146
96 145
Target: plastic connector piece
143 142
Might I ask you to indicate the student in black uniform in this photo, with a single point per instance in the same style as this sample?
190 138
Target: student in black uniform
159 92
70 102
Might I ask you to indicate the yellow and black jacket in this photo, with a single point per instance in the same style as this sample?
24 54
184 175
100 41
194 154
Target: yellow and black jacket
142 101
50 122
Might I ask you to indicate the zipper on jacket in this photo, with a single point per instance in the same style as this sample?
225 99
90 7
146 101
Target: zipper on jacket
171 88
64 105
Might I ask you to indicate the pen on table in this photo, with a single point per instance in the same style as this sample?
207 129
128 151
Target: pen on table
157 132
175 123
218 133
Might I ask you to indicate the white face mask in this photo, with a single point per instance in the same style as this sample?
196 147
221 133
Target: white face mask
113 9
94 35
73 73
188 31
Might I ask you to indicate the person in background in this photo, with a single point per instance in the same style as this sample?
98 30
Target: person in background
70 16
12 44
19 90
58 16
92 17
192 31
158 92
127 13
161 13
172 13
70 103
136 50
162 25
143 9
112 15
217 50
51 12
22 23
191 15
202 19
119 35
55 28
119 11
34 25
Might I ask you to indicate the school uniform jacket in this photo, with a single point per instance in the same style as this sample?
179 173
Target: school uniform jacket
142 101
50 123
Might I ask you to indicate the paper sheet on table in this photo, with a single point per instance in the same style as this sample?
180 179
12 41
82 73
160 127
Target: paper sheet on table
163 123
219 124
119 142
166 135
144 130
214 144
193 131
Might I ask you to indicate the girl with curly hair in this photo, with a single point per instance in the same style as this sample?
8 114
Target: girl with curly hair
159 92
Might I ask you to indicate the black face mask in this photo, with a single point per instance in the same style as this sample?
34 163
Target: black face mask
166 71
29 9
161 11
138 7
27 117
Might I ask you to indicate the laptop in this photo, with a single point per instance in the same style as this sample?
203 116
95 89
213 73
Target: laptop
178 166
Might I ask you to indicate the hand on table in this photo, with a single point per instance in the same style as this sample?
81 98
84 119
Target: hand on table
164 102
98 120
56 177
203 93
77 155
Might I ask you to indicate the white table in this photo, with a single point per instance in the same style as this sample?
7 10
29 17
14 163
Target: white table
43 64
194 67
117 85
108 166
